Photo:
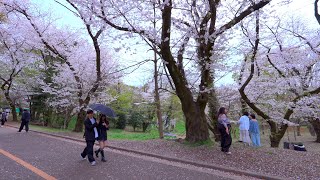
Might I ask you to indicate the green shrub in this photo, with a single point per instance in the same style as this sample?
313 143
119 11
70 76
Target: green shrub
121 122
135 120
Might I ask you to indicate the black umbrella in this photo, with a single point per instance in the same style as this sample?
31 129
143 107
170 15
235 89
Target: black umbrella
103 109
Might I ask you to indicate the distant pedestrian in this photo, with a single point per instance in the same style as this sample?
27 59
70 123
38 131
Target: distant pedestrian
224 129
244 122
254 131
25 119
3 118
103 126
91 134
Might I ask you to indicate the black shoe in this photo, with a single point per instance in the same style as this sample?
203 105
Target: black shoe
97 153
102 156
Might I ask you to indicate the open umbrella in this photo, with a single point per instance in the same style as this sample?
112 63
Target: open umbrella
103 109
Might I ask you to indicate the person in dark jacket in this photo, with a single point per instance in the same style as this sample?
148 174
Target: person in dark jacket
103 126
91 134
25 119
3 118
224 129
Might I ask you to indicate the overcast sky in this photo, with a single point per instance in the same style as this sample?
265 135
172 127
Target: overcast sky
299 8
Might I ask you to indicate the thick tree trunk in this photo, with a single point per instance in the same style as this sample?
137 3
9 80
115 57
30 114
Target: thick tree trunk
80 120
33 113
145 125
276 133
196 123
316 126
213 109
14 113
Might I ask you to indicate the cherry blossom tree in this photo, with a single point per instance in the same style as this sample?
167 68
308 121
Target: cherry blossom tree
84 67
17 53
279 75
183 27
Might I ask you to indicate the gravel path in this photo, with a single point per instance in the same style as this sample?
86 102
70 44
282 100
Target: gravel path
278 162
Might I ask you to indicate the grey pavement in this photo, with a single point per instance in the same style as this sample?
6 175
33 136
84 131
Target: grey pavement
61 159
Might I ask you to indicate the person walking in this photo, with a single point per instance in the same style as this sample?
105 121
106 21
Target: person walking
103 126
3 118
224 129
25 119
244 122
254 131
91 134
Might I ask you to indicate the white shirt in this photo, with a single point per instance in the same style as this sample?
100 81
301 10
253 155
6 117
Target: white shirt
95 129
244 123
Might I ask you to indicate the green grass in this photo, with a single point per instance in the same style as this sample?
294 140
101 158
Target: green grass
72 123
113 134
47 129
118 134
180 128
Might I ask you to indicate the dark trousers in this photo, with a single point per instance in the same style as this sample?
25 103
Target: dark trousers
24 123
88 151
226 139
2 122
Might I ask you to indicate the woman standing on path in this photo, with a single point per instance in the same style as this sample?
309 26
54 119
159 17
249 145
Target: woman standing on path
102 138
254 131
224 128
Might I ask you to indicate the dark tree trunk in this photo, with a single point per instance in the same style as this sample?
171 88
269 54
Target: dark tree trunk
33 113
80 120
316 126
213 111
145 125
276 133
14 113
196 123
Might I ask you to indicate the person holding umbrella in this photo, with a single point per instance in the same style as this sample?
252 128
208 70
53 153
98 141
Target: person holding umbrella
91 134
103 126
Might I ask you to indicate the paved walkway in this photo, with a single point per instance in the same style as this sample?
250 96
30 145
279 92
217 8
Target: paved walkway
35 156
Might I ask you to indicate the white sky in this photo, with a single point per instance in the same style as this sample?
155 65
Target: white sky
298 8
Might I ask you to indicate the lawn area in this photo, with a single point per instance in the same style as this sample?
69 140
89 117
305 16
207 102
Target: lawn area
116 134
180 129
113 134
47 129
